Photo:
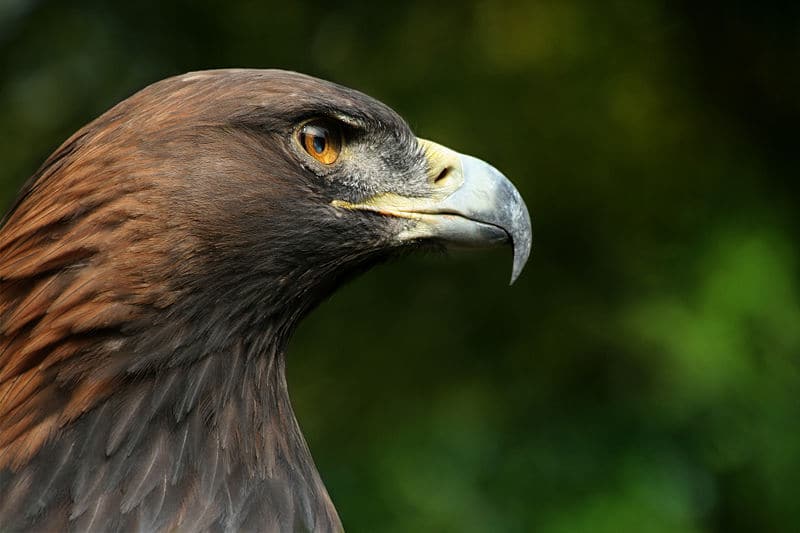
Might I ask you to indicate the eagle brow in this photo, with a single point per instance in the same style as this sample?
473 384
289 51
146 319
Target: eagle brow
350 120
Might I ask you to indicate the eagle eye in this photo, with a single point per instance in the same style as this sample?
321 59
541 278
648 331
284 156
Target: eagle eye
322 140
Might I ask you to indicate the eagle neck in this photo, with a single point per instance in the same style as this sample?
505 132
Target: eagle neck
244 413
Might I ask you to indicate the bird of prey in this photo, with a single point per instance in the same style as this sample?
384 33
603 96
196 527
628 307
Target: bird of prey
153 270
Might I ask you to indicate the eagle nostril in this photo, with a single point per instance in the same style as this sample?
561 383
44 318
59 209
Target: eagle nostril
439 180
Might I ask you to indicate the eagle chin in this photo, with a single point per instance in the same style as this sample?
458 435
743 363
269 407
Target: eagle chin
153 270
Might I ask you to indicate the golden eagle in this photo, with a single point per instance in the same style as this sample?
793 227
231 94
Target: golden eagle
153 270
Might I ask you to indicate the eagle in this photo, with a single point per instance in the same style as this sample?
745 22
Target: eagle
154 268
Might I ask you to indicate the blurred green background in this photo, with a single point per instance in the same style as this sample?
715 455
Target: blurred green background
642 375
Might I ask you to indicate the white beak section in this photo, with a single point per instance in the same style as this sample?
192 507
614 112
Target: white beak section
487 197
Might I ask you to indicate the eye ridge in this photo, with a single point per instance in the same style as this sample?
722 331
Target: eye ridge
322 140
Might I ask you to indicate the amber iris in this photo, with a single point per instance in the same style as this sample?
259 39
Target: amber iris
322 141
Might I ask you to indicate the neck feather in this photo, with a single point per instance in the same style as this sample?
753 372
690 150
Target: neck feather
210 443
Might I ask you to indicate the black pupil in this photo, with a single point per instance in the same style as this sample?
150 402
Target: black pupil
319 142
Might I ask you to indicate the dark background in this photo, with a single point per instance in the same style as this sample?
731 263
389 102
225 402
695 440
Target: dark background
642 375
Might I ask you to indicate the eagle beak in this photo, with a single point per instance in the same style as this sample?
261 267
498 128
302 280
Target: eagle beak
471 204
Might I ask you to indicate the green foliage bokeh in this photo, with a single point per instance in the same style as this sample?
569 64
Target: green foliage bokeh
642 375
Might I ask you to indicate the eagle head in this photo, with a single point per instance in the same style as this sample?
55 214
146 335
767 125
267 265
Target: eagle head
153 269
